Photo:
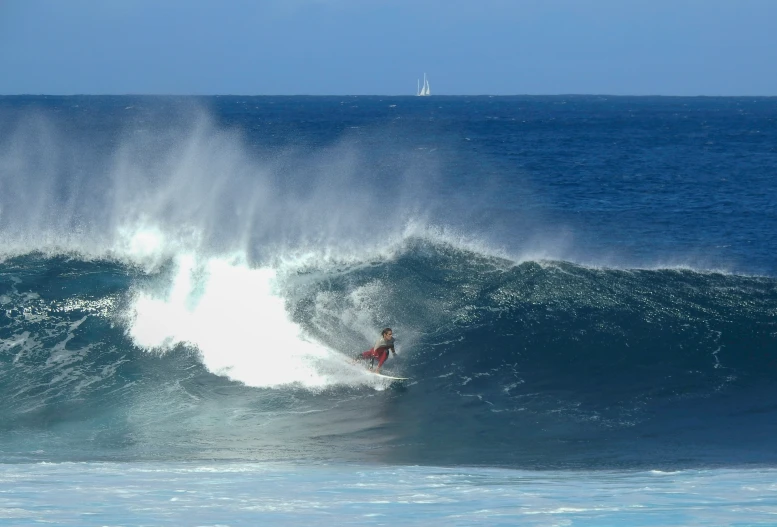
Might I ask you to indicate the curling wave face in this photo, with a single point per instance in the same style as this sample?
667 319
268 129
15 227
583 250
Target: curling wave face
535 363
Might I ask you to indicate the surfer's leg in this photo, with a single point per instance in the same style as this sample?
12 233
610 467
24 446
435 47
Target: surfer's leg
369 354
382 358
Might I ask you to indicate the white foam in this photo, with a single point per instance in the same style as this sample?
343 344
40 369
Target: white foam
236 318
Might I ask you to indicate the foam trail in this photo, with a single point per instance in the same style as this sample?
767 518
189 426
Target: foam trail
233 315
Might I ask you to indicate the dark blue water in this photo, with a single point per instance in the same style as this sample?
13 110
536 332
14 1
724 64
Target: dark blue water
575 282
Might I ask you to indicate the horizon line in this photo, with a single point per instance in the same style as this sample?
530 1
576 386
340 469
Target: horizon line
131 94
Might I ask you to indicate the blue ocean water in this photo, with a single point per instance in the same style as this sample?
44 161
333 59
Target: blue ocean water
583 291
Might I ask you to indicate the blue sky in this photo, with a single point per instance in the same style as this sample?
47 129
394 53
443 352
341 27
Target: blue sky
327 47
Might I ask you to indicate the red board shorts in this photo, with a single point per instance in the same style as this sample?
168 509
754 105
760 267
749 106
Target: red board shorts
381 354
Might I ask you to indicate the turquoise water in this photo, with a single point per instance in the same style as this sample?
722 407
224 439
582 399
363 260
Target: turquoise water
203 494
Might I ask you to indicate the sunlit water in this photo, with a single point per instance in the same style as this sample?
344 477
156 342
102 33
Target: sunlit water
93 494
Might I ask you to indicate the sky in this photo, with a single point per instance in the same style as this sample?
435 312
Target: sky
381 47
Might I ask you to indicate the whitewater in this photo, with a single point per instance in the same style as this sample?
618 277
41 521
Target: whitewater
582 290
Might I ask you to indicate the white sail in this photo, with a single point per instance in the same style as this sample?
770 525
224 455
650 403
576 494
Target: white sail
425 90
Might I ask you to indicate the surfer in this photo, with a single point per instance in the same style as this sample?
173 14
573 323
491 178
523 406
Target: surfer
380 350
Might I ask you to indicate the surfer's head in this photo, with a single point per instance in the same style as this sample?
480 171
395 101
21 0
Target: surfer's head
387 333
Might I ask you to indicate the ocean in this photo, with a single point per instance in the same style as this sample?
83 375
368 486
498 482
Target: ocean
583 292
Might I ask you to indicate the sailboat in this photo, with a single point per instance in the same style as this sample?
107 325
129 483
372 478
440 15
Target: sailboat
423 92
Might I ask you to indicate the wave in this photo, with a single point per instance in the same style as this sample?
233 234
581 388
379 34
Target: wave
164 294
534 363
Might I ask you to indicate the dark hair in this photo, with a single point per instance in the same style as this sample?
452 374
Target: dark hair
385 330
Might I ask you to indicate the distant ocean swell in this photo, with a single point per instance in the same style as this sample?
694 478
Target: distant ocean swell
539 363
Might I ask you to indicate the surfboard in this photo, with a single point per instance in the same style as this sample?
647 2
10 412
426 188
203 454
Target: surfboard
391 377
